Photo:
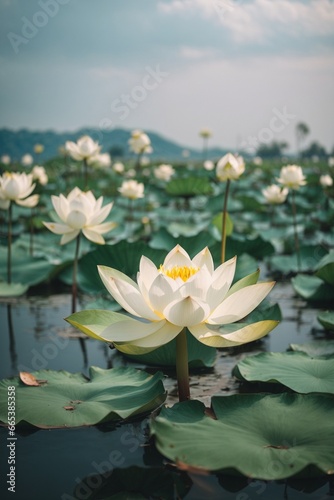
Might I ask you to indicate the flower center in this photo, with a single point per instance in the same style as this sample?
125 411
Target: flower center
179 272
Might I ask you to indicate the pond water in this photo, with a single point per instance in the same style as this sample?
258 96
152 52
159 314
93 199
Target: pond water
100 462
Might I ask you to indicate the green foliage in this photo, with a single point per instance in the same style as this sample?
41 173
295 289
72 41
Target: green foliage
261 436
295 370
188 187
70 400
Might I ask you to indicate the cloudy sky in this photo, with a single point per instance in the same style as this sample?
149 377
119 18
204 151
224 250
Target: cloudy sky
249 70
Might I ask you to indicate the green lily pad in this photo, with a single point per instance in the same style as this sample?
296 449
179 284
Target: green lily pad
123 256
163 240
261 436
199 355
26 270
295 370
313 288
316 348
70 400
189 186
325 268
12 289
309 257
326 319
218 222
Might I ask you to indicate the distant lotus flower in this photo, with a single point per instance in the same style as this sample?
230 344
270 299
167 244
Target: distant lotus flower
80 211
209 165
102 160
118 167
5 159
331 161
144 161
27 160
326 181
257 160
230 167
39 174
205 133
84 149
139 143
132 189
38 148
275 194
182 293
130 173
292 177
16 187
164 172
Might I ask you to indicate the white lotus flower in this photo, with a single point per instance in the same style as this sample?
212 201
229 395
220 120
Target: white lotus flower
275 194
208 165
27 160
39 174
132 189
205 133
164 172
5 159
183 292
230 167
118 167
38 148
326 181
80 211
16 187
257 160
331 161
139 142
292 177
84 149
102 160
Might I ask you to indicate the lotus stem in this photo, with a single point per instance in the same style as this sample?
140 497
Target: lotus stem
9 247
75 272
224 221
31 243
137 165
294 218
205 148
85 165
182 370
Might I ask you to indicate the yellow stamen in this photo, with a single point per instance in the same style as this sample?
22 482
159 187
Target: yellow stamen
179 272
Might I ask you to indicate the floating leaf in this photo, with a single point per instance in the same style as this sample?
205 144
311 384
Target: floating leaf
295 370
326 319
313 288
309 256
218 222
70 400
12 289
26 270
123 256
261 436
325 268
316 348
189 186
199 355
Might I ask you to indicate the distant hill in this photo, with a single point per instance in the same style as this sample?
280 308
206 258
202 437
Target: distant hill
20 142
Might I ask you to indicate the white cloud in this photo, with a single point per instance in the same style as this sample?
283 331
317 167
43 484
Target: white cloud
195 53
254 21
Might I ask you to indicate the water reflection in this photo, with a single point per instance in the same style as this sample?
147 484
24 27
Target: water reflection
12 345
